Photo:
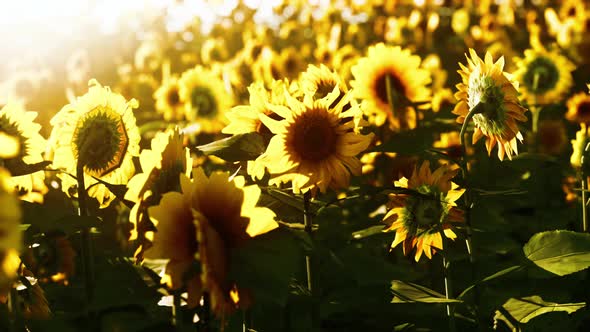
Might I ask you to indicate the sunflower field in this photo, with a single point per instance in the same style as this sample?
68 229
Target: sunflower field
264 166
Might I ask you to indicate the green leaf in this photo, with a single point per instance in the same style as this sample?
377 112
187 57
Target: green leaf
286 204
559 252
521 310
414 141
18 167
407 292
119 190
236 148
266 264
363 233
491 277
68 224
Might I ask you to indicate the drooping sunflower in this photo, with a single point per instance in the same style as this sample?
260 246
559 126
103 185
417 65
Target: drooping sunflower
210 217
205 98
578 108
161 166
544 76
400 70
315 144
98 130
420 219
495 94
19 124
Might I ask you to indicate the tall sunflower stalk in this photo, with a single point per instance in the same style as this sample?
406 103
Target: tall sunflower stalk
488 96
86 243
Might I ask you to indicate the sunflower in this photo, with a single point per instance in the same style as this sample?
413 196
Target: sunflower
320 81
19 124
419 219
433 64
443 100
97 130
495 94
167 98
315 144
10 234
246 118
288 64
578 145
209 218
10 214
10 146
544 76
205 99
451 143
344 59
160 167
390 66
552 136
578 108
214 50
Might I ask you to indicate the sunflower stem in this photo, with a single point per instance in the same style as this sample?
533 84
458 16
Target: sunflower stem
312 286
468 202
86 244
206 312
391 99
307 221
13 305
246 321
448 294
583 167
176 303
584 211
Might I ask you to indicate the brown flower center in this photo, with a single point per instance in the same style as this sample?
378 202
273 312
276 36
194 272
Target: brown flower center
312 137
172 97
397 87
584 109
100 141
10 129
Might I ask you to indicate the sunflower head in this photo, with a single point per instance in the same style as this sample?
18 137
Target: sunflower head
578 108
288 64
544 76
552 136
314 143
168 101
320 81
388 79
98 131
495 96
22 143
420 218
205 221
203 93
161 167
578 145
10 214
246 118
